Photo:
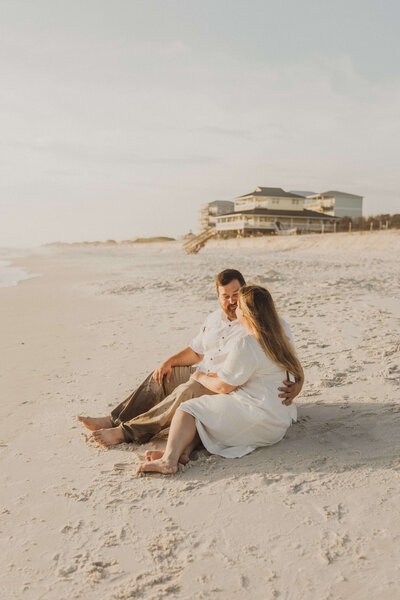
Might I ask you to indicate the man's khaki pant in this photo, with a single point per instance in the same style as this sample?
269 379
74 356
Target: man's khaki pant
150 408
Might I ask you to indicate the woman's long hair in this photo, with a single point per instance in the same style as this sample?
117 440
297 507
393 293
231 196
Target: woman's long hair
259 309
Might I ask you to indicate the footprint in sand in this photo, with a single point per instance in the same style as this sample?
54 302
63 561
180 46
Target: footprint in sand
123 467
335 512
334 546
70 528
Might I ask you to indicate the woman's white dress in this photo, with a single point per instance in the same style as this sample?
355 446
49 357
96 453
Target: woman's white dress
253 415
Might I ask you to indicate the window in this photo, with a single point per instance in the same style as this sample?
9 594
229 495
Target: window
275 200
294 201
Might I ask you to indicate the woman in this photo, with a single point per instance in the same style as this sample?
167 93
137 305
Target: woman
245 411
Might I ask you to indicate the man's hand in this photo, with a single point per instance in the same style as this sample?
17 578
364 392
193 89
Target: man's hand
292 389
163 370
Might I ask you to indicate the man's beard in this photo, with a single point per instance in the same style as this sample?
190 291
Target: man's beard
230 311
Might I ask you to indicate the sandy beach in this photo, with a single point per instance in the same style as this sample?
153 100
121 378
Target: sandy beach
313 517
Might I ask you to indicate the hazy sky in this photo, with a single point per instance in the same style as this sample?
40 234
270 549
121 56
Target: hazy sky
120 118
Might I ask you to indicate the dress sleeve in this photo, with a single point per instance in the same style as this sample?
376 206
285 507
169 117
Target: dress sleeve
240 363
197 343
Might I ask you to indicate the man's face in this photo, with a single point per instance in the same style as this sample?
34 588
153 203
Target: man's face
228 298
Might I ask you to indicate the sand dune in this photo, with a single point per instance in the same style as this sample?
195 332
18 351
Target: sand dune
313 517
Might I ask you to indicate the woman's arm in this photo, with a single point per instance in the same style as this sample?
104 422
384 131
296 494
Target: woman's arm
213 382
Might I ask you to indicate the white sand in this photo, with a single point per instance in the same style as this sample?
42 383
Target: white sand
314 517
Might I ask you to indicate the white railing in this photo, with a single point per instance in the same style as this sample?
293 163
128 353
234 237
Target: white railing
241 224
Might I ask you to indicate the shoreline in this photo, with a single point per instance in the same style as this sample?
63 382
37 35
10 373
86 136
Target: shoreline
11 275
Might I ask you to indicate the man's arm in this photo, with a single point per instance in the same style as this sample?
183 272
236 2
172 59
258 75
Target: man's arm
185 358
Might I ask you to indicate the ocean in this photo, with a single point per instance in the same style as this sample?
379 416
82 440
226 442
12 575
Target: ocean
10 275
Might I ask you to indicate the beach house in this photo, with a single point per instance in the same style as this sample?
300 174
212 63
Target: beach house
271 211
211 210
334 203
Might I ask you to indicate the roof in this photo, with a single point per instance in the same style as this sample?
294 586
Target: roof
302 193
336 193
216 202
281 213
267 191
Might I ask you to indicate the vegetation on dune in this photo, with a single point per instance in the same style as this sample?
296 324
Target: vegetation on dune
373 223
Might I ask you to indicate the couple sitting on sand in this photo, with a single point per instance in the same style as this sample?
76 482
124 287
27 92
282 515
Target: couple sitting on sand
230 401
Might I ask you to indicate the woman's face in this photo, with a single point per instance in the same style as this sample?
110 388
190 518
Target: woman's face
242 319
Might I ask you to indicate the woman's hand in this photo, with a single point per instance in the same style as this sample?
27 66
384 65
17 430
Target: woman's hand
212 382
195 376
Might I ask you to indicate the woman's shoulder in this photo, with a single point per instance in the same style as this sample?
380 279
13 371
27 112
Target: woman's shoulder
254 347
247 342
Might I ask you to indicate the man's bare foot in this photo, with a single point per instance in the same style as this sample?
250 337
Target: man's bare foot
109 437
157 454
95 423
157 466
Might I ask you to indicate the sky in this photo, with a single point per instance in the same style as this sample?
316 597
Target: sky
120 119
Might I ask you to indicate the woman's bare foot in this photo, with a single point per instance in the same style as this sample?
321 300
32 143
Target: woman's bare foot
109 437
157 454
95 423
157 466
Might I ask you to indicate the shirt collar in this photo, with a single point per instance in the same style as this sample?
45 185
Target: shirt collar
224 317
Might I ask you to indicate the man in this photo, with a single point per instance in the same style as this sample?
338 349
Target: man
150 408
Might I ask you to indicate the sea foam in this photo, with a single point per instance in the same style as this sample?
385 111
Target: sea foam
10 276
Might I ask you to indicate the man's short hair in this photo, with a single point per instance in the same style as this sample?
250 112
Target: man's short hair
228 275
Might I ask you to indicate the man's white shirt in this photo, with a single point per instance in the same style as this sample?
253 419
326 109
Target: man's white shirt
216 338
